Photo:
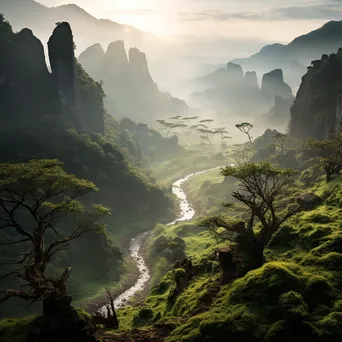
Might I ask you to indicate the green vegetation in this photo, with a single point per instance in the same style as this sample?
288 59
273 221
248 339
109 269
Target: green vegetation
34 199
328 154
15 330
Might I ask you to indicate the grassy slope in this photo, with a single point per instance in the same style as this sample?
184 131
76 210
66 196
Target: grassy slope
295 296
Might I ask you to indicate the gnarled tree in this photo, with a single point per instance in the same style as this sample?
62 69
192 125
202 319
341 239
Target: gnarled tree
36 199
260 187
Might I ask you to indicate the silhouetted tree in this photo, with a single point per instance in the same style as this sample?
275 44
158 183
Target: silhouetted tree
245 127
281 140
260 186
34 197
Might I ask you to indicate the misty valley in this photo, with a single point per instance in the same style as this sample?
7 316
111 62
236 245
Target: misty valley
209 211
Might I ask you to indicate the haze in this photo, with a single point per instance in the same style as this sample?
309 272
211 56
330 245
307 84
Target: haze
272 20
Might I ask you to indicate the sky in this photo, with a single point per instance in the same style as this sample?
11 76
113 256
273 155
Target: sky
266 20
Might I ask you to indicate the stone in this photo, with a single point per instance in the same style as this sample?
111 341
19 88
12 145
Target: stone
273 85
316 111
309 200
251 79
235 71
138 67
62 62
115 60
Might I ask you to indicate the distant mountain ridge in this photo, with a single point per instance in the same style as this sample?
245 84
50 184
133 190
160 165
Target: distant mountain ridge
86 28
297 55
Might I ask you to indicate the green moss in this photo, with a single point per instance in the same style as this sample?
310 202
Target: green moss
15 330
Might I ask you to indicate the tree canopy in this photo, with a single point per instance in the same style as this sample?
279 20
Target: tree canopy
35 198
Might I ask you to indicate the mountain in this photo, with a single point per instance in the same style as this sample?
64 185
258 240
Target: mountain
128 84
293 58
42 19
234 92
60 115
316 112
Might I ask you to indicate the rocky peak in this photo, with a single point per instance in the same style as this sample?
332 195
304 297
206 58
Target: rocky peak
317 108
92 58
62 62
273 84
93 52
251 79
30 51
235 72
139 67
116 61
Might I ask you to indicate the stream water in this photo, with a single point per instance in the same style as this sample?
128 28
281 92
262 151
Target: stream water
186 213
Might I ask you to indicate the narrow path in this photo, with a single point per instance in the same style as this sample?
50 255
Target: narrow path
186 213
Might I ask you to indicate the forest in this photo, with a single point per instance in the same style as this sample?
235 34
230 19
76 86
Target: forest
129 214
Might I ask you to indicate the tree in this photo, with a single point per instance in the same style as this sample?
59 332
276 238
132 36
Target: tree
260 186
208 135
328 154
281 140
245 127
241 155
36 199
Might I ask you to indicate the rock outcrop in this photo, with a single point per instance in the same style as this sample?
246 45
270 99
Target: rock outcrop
115 59
131 91
67 91
93 57
251 79
62 62
317 110
233 92
235 72
25 76
139 67
273 85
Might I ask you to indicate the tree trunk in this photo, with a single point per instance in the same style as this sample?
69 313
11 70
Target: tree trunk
229 268
54 305
328 177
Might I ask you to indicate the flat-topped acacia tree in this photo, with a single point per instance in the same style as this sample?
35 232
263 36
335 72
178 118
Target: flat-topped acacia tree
245 127
36 198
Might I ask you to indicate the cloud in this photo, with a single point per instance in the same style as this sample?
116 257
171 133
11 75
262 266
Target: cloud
331 10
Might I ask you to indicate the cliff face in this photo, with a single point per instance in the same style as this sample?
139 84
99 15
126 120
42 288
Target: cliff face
316 110
131 91
273 85
62 62
24 76
251 79
115 59
139 68
66 92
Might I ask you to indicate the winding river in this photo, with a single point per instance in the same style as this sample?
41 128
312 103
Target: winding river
186 213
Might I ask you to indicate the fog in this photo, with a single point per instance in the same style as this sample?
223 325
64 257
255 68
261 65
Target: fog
187 47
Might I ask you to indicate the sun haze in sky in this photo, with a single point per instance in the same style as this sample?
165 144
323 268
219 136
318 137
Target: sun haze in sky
271 20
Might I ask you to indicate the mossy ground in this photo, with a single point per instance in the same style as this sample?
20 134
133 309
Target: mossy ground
295 296
15 330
